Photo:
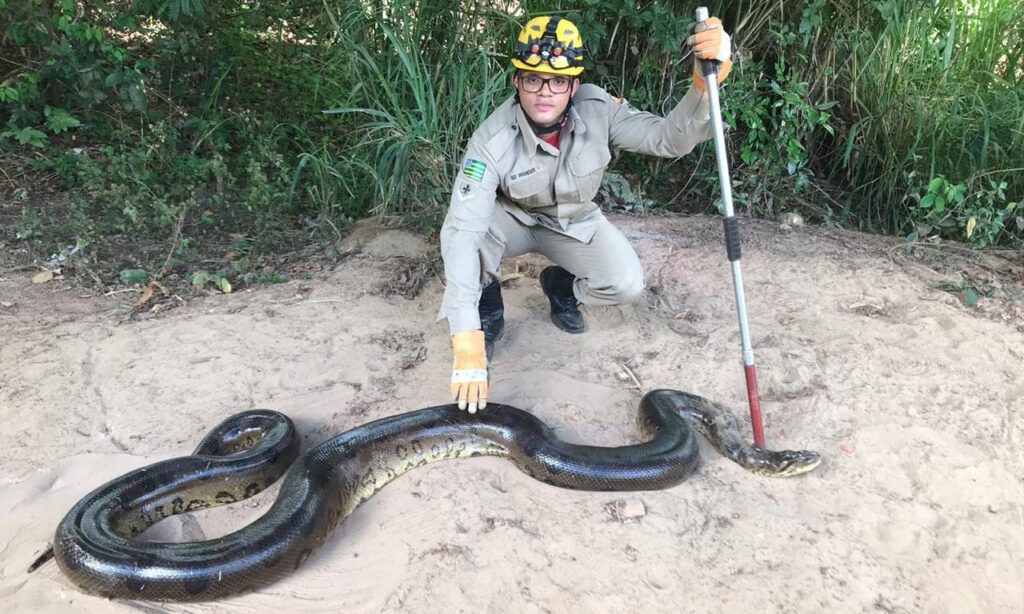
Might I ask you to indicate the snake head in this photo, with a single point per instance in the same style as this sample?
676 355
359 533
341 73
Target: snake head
787 463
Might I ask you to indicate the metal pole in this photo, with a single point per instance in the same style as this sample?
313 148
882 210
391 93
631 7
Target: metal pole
732 239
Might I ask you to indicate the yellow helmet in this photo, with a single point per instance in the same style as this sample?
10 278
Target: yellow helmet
550 45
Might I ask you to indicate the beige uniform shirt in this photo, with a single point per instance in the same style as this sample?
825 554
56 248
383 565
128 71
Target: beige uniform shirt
507 165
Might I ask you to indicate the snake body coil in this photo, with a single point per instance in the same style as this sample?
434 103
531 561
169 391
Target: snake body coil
95 546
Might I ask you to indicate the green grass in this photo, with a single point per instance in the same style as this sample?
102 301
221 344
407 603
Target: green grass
931 89
413 108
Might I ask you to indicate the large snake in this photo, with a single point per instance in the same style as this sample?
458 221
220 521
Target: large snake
95 543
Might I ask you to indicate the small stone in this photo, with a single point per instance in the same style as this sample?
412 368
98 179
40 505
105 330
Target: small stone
627 509
623 377
791 218
660 578
6 304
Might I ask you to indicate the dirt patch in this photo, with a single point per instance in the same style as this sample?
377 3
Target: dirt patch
863 354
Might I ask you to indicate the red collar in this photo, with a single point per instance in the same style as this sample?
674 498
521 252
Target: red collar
552 138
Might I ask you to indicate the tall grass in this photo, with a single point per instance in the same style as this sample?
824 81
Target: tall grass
928 89
423 82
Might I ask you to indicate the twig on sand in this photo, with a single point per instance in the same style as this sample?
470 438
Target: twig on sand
23 267
174 243
1006 257
633 377
296 301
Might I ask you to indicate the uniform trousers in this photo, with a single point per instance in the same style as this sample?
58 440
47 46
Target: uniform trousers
606 268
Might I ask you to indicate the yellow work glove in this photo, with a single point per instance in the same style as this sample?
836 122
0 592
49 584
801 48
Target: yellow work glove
469 371
710 41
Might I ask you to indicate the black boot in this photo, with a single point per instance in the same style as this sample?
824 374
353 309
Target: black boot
492 315
557 284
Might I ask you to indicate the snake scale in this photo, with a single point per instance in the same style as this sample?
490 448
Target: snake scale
96 546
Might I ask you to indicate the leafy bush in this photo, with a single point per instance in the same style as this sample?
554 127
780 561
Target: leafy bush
178 126
162 121
979 216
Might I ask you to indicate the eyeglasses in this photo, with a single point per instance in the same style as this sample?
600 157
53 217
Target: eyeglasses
556 85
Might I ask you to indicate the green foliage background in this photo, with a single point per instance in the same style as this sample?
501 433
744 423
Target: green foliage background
159 132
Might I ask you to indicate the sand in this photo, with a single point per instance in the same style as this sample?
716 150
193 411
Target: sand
911 396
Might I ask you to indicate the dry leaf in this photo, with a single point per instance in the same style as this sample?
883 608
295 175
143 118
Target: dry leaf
42 277
147 293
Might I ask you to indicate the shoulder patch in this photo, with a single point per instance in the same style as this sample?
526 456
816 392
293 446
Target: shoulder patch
474 169
622 102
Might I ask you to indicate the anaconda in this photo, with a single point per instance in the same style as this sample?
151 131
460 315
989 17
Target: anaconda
96 546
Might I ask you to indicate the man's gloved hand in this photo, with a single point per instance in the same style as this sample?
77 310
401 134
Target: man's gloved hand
710 41
469 371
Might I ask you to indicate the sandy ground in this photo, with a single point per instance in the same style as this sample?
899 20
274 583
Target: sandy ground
912 398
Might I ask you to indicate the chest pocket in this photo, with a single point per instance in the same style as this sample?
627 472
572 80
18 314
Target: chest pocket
588 169
529 186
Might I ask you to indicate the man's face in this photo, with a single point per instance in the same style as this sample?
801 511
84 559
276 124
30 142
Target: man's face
545 97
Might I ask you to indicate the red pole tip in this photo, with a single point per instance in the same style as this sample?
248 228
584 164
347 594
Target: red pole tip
755 405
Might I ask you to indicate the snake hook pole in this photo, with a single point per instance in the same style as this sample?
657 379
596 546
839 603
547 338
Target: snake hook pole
709 68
